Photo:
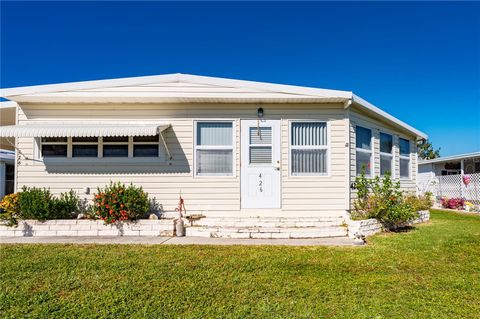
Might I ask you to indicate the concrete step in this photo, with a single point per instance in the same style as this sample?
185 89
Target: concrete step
263 229
266 224
273 219
260 232
268 227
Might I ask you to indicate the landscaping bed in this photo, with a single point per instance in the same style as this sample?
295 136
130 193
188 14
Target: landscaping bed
368 227
90 228
430 271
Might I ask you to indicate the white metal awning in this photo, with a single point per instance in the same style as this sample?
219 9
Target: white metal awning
61 129
83 129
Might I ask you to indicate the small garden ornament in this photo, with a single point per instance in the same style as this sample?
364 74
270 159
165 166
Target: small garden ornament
179 224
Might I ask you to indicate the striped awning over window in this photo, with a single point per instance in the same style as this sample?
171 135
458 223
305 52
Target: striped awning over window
83 129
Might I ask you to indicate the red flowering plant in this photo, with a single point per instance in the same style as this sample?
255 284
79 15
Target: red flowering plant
452 203
119 203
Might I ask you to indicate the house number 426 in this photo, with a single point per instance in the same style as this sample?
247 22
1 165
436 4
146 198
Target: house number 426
260 183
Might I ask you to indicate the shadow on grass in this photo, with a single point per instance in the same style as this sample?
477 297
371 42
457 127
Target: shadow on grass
403 229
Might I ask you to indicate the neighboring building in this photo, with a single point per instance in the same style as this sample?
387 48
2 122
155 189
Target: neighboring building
443 176
7 172
8 111
229 147
449 165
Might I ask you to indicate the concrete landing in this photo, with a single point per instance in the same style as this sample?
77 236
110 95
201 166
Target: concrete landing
334 241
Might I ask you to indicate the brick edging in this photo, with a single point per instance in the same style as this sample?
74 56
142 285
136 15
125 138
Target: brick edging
84 227
368 227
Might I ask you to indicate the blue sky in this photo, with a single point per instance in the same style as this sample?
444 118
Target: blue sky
418 61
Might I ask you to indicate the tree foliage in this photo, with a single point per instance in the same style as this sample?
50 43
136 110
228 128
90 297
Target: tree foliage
426 150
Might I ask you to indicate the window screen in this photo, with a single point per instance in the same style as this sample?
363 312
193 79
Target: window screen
308 148
214 148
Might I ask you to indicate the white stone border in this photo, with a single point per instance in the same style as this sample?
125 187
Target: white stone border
368 227
84 227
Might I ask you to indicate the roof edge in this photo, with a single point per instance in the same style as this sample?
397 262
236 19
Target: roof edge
174 77
8 104
369 106
450 158
215 81
83 85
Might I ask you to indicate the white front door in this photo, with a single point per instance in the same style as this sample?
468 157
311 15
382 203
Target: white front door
260 163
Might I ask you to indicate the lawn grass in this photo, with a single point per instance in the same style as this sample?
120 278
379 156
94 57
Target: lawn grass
432 271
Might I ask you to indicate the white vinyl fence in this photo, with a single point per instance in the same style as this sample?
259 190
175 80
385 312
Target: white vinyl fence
453 186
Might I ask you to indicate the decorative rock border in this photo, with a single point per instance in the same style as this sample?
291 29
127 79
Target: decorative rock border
368 227
84 227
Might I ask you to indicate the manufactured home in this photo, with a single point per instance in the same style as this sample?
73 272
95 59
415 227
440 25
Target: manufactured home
230 148
456 176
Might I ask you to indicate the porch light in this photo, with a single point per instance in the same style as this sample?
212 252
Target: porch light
260 112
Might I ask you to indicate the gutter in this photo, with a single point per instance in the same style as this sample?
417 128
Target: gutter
372 108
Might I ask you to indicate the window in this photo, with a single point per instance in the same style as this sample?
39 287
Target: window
308 149
386 154
84 146
115 146
95 147
9 179
146 146
364 151
54 146
260 144
214 148
450 172
404 158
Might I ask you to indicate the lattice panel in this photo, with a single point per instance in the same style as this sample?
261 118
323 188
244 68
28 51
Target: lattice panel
453 186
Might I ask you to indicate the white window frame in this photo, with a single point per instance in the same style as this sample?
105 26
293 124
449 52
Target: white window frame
128 143
307 147
159 144
83 143
391 155
250 146
38 147
362 150
40 144
409 158
215 147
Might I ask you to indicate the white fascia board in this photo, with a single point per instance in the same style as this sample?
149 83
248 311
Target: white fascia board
177 77
367 105
8 104
84 85
450 158
264 86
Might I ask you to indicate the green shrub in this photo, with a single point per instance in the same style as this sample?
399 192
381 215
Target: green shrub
38 203
382 199
117 203
422 202
67 204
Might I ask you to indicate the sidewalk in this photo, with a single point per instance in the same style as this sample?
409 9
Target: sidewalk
334 241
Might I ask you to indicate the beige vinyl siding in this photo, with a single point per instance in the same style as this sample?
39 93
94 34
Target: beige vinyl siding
301 195
357 118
